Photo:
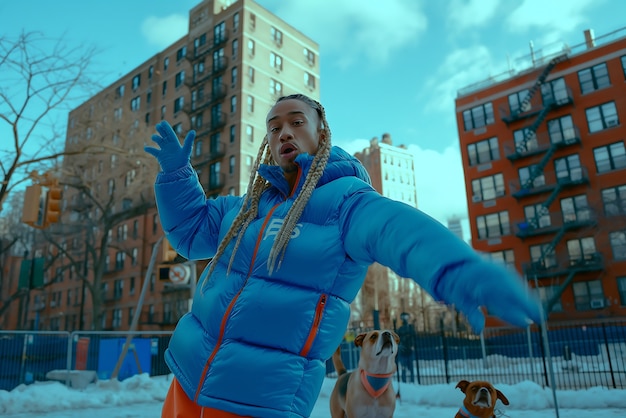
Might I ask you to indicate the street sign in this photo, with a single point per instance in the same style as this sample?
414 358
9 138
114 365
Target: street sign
179 273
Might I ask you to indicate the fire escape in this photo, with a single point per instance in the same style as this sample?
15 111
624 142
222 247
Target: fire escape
539 182
208 91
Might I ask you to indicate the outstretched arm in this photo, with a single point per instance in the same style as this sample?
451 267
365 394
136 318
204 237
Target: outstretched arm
414 245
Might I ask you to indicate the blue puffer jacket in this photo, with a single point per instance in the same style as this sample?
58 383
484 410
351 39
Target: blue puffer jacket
255 344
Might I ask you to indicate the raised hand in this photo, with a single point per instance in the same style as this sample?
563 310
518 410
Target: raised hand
170 154
490 285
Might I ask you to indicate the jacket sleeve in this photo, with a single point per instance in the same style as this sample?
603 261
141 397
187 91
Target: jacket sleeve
191 222
398 236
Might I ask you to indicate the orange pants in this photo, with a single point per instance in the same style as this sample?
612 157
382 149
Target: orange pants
178 405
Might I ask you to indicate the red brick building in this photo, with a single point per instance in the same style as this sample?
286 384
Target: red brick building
545 170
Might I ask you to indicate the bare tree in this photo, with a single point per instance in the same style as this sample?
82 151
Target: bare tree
41 79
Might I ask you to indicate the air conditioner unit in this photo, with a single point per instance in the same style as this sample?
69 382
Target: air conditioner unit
53 303
597 303
476 199
611 122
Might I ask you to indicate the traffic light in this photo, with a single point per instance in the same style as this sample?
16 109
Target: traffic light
169 253
53 205
33 212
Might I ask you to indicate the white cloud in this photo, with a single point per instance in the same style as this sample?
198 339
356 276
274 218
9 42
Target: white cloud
439 179
164 31
466 14
349 29
560 16
460 68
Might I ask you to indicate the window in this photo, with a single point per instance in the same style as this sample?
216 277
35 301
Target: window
251 47
164 88
251 75
163 112
198 43
493 225
309 56
219 62
487 188
235 49
506 257
233 76
618 244
276 35
537 216
135 103
119 92
568 169
601 117
178 128
610 157
276 62
117 113
179 79
542 256
250 102
309 80
178 104
614 200
150 72
232 133
231 165
155 223
166 63
181 53
516 102
586 293
529 179
196 122
214 175
236 22
250 133
581 250
219 33
276 87
131 313
575 209
118 289
198 70
562 130
525 140
233 104
120 257
547 293
252 21
593 78
136 81
478 116
621 286
555 92
149 96
483 151
197 148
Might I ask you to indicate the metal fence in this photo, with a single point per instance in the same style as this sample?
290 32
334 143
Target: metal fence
578 356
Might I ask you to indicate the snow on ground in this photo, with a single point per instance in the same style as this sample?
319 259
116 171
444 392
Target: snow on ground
142 396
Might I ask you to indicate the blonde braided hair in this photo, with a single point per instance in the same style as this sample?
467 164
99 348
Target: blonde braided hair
257 185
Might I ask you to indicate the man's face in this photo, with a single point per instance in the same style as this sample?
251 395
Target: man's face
292 129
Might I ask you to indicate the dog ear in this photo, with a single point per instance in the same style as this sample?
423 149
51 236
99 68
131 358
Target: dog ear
463 384
396 337
502 397
358 341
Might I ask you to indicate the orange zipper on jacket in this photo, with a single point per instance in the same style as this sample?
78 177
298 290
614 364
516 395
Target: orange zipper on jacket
319 311
234 300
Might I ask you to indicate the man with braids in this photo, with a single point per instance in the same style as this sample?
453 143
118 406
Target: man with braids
288 258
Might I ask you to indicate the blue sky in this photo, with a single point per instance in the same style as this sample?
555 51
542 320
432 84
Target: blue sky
386 66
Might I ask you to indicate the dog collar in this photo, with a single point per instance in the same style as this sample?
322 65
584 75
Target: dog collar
466 414
375 384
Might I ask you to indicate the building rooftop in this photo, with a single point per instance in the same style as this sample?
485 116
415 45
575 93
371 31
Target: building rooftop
540 57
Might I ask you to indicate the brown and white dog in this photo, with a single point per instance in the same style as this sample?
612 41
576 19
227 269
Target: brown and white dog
480 399
367 391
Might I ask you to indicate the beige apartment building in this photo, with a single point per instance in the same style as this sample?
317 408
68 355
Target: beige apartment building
392 172
220 79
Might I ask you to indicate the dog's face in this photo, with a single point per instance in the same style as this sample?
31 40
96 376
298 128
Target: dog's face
480 397
378 350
